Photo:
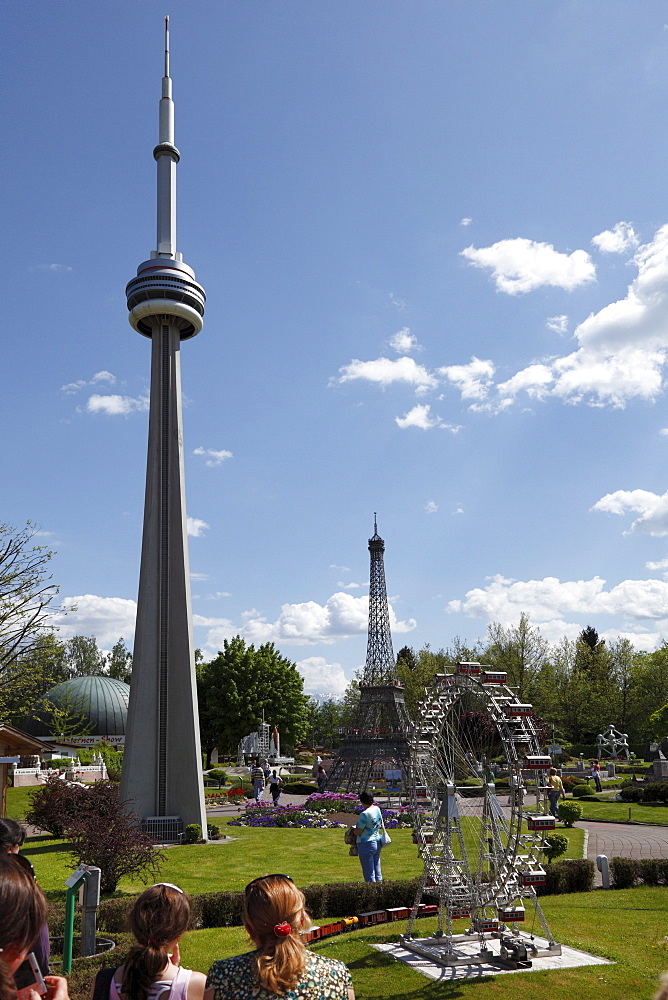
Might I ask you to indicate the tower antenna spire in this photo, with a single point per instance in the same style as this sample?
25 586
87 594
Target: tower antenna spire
167 45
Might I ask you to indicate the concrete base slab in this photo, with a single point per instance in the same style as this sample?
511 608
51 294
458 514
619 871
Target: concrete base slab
569 958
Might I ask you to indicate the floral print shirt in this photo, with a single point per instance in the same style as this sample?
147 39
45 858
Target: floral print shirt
323 979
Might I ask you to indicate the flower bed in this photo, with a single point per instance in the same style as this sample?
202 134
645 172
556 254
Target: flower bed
262 814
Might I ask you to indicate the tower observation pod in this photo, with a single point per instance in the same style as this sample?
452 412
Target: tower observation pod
162 769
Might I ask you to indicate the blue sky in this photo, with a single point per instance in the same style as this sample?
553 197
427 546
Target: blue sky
434 241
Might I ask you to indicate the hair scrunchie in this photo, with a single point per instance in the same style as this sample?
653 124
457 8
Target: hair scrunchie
282 929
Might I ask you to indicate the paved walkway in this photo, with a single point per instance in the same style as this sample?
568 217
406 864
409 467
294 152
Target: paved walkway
625 840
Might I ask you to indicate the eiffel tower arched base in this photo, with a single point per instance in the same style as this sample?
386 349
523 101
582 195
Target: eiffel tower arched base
356 761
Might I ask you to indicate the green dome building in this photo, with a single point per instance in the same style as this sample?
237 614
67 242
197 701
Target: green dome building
101 701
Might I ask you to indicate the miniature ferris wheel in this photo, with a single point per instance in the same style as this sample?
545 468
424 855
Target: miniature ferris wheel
481 851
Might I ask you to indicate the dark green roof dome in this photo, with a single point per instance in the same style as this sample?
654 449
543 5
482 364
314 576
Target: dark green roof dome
102 701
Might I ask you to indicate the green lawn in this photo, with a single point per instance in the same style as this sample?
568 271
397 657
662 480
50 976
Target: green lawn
618 812
627 926
18 802
309 856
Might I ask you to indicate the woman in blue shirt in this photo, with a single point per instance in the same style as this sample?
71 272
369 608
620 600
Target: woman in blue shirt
369 829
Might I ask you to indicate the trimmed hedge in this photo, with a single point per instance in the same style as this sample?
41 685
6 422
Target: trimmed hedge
657 791
627 872
334 899
299 787
568 876
579 791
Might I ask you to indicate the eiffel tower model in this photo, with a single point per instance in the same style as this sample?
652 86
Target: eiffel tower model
378 739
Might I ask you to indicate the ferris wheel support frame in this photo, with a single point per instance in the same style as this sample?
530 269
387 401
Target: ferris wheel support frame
508 864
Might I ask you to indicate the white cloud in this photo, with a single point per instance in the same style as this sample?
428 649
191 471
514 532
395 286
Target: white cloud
533 380
466 221
322 679
113 405
404 341
73 387
664 431
348 586
431 506
661 564
558 324
341 617
642 604
103 376
473 380
653 510
520 265
621 349
398 303
342 569
107 618
54 267
213 457
616 240
198 577
418 417
384 372
196 527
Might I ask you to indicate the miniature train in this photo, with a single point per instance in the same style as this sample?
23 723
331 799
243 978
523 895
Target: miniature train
318 933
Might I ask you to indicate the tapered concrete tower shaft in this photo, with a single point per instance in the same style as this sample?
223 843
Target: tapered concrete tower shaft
162 768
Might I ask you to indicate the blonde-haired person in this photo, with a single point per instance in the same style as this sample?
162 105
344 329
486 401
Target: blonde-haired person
274 913
23 911
152 969
662 993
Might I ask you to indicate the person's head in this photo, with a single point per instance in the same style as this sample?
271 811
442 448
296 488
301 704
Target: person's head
553 770
273 912
23 911
158 919
11 836
366 798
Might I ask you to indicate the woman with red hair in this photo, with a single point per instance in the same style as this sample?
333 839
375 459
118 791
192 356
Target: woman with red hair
274 914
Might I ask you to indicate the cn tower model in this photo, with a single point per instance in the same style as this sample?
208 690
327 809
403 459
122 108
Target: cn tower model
162 766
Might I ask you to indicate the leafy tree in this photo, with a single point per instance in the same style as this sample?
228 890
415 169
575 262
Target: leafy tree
105 834
26 593
24 682
84 657
406 657
120 662
238 685
520 650
55 805
322 722
66 717
659 723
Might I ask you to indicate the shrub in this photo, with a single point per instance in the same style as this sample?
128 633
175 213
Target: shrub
107 835
55 805
217 774
213 831
568 876
557 844
61 763
656 792
299 787
631 793
193 833
626 872
569 812
623 872
580 790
